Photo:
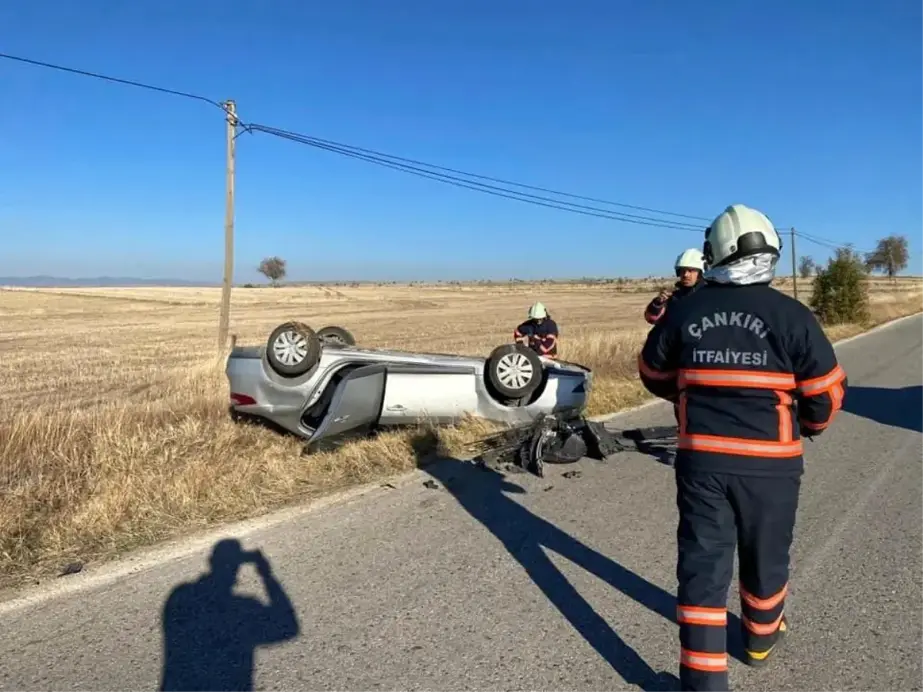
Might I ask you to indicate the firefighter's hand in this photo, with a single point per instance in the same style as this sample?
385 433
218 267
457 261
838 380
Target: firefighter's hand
663 295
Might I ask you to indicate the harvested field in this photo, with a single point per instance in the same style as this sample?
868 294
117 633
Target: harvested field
113 404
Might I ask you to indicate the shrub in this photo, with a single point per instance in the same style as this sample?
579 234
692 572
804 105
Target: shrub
840 290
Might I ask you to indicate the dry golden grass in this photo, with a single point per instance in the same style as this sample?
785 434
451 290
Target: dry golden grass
114 430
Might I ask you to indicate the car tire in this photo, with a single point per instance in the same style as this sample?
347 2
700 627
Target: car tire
336 336
514 371
293 349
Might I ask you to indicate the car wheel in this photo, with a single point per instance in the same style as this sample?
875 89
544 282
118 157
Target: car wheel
514 370
336 336
293 349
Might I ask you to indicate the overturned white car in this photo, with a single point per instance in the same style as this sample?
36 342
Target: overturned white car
320 385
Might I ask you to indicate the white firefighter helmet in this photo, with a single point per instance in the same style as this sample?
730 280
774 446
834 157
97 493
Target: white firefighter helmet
537 312
740 231
691 258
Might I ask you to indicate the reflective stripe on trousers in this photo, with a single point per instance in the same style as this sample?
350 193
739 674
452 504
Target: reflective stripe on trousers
718 513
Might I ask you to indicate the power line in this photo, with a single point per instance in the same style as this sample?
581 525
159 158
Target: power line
317 141
817 240
118 80
398 163
419 168
829 244
416 167
413 166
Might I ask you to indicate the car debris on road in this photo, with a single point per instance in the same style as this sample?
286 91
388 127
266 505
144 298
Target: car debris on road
555 439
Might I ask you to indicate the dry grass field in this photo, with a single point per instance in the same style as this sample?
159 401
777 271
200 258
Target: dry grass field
114 430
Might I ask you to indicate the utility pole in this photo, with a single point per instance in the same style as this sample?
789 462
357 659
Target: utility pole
794 265
225 320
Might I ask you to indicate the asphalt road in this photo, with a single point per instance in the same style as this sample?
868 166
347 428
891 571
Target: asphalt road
521 583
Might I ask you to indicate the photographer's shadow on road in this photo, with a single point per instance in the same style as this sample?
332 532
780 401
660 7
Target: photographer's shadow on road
483 494
900 408
211 634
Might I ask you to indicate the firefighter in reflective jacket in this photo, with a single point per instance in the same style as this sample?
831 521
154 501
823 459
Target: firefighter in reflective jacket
539 332
688 267
753 374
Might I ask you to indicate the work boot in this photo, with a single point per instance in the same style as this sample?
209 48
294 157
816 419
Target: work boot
758 659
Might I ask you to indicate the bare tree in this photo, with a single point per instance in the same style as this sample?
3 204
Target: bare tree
273 268
890 256
806 266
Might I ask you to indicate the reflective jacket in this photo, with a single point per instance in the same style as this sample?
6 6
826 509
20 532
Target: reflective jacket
752 373
542 336
657 308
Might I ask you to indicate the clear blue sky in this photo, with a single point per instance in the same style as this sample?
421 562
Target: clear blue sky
809 110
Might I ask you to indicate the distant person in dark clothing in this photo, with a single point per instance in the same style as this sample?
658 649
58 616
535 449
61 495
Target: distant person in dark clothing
539 332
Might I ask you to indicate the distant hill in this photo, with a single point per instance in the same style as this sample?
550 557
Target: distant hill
94 282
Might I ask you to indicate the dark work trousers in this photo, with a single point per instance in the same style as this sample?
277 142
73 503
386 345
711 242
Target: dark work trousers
717 512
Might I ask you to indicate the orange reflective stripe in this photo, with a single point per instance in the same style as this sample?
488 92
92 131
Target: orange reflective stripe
782 448
740 446
700 615
762 603
699 660
836 400
652 374
755 379
760 629
818 385
785 416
